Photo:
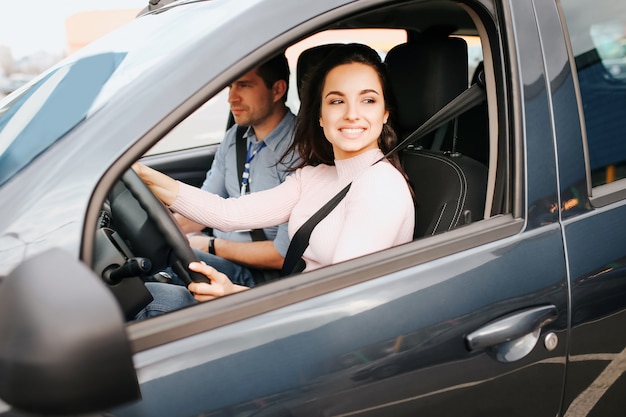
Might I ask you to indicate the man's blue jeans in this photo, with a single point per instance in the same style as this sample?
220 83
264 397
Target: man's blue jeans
166 298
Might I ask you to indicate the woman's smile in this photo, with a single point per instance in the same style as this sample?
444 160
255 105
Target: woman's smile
352 132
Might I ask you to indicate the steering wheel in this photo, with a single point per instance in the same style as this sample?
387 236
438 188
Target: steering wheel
149 228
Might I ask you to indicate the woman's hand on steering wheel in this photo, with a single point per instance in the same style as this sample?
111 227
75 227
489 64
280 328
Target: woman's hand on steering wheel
162 186
159 238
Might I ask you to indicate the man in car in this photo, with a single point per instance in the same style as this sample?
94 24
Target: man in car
264 124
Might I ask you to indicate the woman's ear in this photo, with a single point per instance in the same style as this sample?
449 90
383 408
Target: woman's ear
386 116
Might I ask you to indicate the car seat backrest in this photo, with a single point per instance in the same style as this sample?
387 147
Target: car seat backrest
425 74
450 188
308 59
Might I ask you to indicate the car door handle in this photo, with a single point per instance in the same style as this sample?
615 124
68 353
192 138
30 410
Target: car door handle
514 335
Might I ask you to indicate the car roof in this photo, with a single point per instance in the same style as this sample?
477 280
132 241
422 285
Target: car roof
416 18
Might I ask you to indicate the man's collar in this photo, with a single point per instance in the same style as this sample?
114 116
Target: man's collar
280 131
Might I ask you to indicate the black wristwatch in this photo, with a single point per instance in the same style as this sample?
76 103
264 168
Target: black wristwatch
211 247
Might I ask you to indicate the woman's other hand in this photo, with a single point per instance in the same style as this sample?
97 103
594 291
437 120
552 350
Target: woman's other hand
219 287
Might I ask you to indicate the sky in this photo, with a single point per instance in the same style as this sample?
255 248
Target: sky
29 26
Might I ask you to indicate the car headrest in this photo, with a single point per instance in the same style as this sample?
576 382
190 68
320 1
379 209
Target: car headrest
425 75
308 59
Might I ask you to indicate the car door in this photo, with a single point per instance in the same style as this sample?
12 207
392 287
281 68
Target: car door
591 161
469 322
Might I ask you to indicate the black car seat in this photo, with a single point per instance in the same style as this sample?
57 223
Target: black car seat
426 73
308 59
450 188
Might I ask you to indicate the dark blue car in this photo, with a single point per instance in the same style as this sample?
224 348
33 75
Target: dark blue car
510 300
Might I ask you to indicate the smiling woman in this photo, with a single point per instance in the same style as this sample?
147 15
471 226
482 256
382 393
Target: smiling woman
342 141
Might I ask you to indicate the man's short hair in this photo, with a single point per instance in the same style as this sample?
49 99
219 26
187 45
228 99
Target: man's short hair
273 70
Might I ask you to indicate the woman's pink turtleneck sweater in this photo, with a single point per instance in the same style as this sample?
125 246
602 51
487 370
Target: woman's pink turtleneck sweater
377 212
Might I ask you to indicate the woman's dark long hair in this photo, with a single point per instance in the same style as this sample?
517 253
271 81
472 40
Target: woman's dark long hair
309 140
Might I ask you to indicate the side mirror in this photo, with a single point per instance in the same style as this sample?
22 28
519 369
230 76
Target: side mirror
63 345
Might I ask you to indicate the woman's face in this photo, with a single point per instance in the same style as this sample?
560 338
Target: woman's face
353 109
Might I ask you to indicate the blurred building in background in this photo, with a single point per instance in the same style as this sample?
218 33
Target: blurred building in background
83 28
80 28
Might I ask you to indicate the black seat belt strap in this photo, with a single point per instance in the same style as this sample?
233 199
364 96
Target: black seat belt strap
241 142
241 149
293 259
460 104
457 106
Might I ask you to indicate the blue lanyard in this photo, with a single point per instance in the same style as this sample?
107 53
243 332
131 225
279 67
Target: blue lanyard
246 168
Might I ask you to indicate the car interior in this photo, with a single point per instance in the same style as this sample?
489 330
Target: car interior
434 52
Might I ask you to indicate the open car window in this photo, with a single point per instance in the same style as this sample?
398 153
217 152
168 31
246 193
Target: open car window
448 62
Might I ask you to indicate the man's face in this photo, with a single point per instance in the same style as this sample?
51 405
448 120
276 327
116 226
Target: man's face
251 102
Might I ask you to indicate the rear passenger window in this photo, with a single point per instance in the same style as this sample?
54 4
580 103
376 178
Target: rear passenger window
597 31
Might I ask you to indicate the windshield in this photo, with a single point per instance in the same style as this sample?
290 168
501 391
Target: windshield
36 116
